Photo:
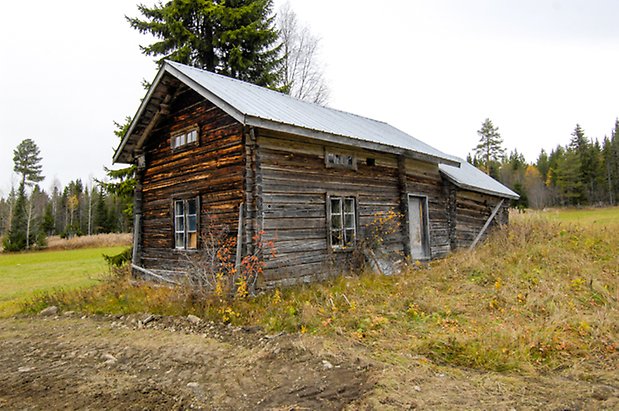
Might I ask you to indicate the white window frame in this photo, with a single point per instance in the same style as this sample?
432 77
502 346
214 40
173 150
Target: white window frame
345 229
185 137
181 223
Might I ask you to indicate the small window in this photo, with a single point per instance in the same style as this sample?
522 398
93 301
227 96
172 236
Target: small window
342 222
340 160
184 138
186 224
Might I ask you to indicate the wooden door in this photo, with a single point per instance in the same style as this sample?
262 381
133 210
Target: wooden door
417 227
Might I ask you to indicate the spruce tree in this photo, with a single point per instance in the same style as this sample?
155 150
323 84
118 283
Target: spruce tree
235 38
569 181
15 240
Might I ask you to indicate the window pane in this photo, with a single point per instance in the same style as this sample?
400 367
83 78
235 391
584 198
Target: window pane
191 223
336 238
178 208
349 237
180 240
330 158
336 206
178 141
182 136
191 207
179 224
192 240
336 222
349 221
349 205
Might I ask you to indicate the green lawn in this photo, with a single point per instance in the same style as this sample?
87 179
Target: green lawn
587 216
23 273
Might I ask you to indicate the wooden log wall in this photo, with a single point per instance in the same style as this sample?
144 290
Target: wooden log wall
211 170
471 212
294 186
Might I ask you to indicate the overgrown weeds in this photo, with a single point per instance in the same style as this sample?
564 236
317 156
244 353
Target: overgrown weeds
537 295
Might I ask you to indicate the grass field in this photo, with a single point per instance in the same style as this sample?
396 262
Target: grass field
596 216
25 273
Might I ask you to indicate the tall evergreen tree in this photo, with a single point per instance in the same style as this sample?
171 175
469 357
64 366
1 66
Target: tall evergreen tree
490 148
569 181
121 181
27 163
235 38
543 164
15 240
27 160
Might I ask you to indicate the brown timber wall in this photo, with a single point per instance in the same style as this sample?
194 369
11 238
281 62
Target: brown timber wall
211 170
294 186
472 211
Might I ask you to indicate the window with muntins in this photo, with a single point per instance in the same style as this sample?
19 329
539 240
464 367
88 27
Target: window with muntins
184 138
342 222
186 224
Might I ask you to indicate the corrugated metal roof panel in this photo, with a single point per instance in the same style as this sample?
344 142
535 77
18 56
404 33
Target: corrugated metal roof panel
470 177
262 103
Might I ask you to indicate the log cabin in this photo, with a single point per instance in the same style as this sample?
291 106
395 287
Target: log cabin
212 150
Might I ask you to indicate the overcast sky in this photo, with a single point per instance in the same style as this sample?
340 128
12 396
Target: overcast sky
433 68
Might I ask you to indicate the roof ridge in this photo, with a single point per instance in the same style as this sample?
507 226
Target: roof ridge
236 80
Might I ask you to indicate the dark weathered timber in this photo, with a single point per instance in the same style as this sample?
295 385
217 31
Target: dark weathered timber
282 182
295 184
212 171
405 220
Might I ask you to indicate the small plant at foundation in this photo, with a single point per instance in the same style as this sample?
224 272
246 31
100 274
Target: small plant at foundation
216 270
371 246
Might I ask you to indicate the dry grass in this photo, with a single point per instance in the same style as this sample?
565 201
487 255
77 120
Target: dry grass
539 294
530 319
89 241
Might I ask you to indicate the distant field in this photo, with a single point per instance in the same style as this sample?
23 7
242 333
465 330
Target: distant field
584 216
24 273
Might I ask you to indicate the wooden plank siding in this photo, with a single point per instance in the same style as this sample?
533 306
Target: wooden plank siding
211 170
471 212
283 181
294 186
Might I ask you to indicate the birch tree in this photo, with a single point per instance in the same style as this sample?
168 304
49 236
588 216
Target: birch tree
302 74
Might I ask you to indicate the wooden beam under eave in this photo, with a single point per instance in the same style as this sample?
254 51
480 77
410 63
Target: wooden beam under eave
163 110
485 227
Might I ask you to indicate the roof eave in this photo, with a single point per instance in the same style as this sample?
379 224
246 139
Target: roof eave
479 189
118 154
121 156
345 140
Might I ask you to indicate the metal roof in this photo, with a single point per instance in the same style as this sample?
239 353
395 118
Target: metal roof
266 108
258 106
469 177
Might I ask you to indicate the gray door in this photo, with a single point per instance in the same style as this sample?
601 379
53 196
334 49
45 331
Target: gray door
417 227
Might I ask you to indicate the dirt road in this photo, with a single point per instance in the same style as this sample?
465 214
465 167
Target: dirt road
117 363
148 362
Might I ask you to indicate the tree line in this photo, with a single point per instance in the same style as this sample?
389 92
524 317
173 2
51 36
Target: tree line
29 214
243 39
584 172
